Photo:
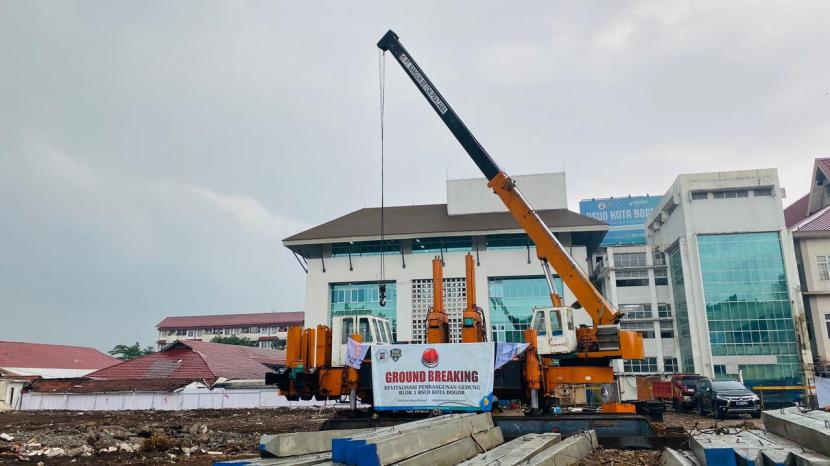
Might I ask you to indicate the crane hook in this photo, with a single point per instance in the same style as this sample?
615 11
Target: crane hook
382 298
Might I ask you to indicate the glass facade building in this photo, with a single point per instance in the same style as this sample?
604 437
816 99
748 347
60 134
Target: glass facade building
681 309
512 301
363 298
748 304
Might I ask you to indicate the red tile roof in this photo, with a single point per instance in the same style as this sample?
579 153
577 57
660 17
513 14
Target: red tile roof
196 360
819 221
36 355
824 164
797 211
233 320
86 385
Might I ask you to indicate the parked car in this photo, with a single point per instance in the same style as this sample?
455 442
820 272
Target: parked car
725 397
683 391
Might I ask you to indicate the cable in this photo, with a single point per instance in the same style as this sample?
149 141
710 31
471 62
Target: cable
382 83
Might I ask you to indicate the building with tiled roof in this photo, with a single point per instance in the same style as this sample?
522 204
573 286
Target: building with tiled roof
808 219
21 362
341 258
268 329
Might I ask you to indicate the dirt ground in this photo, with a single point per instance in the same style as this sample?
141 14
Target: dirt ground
145 437
201 437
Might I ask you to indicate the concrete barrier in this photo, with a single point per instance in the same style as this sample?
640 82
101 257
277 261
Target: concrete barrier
671 457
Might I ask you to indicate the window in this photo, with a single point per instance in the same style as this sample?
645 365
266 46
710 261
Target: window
730 194
511 304
363 298
645 328
720 370
365 248
762 192
670 365
348 330
636 311
364 330
663 311
253 330
823 267
637 277
519 240
630 259
827 322
438 245
698 195
666 329
661 276
659 259
181 332
647 365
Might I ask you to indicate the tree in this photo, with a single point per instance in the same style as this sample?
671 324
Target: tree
234 340
126 353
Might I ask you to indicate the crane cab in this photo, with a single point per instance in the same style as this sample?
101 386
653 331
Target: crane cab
370 328
555 333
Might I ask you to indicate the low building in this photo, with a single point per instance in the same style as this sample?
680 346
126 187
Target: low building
809 222
268 329
342 259
733 276
21 363
182 375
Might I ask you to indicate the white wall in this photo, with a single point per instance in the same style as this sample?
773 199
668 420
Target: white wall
471 196
495 263
679 219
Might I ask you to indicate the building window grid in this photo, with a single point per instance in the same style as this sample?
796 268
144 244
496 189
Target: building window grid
747 303
363 298
438 245
366 248
455 301
663 311
636 311
641 366
509 241
512 301
646 329
670 365
630 259
680 308
730 194
823 263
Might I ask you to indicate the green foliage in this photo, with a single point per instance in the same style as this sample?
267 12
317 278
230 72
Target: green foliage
234 340
125 352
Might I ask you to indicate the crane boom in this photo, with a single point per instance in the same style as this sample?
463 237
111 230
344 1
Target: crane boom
548 247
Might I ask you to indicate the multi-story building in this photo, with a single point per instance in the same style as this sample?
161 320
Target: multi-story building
268 329
733 276
809 222
633 277
346 260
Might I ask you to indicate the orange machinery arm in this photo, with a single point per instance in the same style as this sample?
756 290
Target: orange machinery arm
548 247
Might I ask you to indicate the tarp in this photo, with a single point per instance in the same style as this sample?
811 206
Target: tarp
456 377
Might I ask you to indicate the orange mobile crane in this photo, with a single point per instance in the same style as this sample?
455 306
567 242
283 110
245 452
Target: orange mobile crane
558 353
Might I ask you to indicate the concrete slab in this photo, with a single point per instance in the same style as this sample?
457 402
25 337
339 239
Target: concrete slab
671 457
458 451
343 448
568 451
810 429
752 448
303 443
391 449
317 459
531 444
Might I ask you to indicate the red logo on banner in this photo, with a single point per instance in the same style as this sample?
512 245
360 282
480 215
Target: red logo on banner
430 357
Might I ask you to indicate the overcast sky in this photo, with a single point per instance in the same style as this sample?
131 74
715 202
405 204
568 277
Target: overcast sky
153 154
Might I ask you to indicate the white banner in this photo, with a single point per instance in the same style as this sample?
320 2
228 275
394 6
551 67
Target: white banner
456 377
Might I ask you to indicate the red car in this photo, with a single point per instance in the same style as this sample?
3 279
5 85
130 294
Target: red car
683 391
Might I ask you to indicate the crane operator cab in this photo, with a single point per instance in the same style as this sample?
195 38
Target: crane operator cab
370 328
555 332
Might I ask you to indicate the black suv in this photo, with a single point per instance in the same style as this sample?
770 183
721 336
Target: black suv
725 397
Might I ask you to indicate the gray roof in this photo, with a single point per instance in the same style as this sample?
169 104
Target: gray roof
433 220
